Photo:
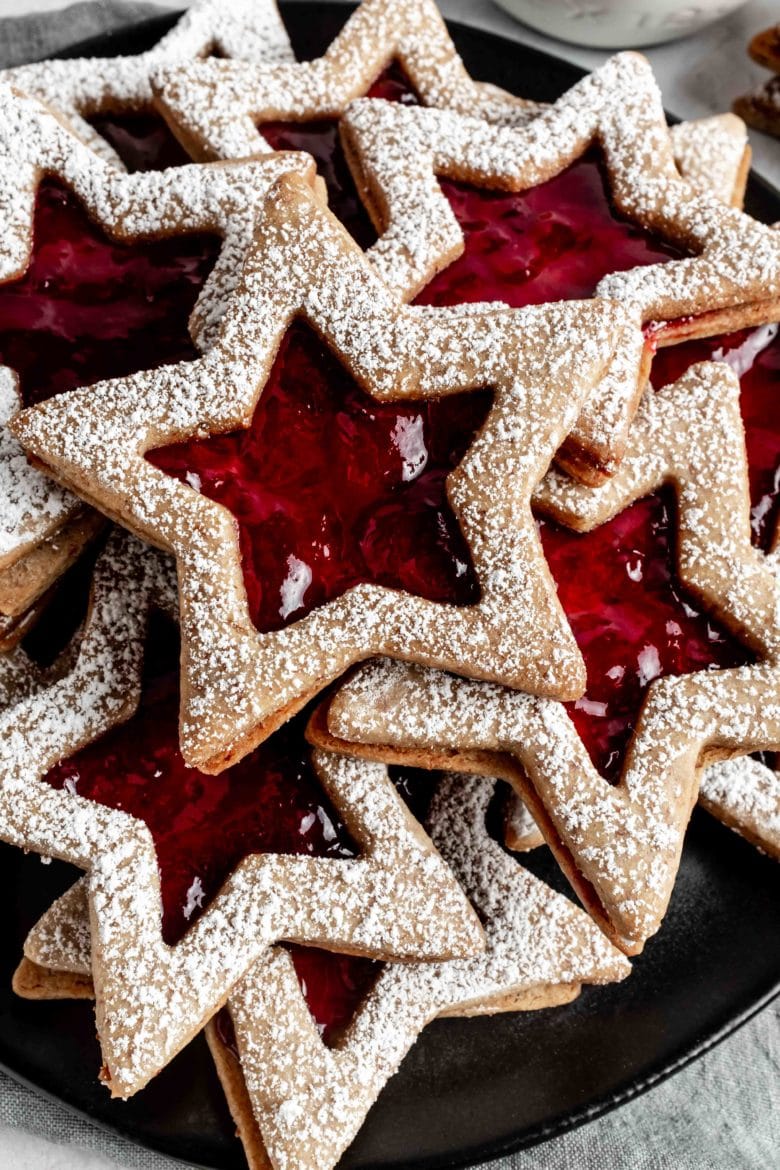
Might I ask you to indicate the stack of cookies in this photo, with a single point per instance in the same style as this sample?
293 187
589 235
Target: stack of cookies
357 415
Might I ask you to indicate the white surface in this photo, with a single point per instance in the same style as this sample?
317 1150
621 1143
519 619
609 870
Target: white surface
25 1151
615 23
699 75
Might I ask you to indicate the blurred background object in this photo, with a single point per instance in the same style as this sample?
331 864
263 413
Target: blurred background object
614 24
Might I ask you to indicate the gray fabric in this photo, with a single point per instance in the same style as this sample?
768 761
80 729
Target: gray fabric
28 38
721 1113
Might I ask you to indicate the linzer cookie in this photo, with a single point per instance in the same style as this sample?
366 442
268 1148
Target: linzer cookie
761 107
721 268
539 945
390 897
90 92
247 666
143 254
684 722
298 1100
676 441
619 846
215 107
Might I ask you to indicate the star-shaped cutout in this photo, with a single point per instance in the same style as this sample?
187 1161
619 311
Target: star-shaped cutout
79 88
397 898
240 684
754 355
332 489
619 845
214 107
540 950
148 226
726 272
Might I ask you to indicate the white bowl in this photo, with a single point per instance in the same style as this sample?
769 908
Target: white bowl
615 24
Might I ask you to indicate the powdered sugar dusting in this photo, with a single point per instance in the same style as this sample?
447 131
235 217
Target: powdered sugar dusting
216 105
396 899
309 1101
745 795
250 30
397 152
624 841
238 681
221 199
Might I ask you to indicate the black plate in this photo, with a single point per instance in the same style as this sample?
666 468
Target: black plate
469 1090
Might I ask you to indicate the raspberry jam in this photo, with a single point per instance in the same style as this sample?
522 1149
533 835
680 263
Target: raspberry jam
618 583
334 986
754 355
631 620
89 308
553 242
331 488
142 140
202 826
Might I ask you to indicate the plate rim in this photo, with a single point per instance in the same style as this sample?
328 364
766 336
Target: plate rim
101 44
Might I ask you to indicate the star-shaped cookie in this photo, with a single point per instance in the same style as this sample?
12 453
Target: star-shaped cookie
222 200
620 845
240 683
214 107
304 1102
761 107
152 997
79 87
728 271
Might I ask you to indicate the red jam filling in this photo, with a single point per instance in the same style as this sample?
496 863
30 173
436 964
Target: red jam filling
142 140
332 489
203 826
632 622
334 986
754 355
90 308
553 242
